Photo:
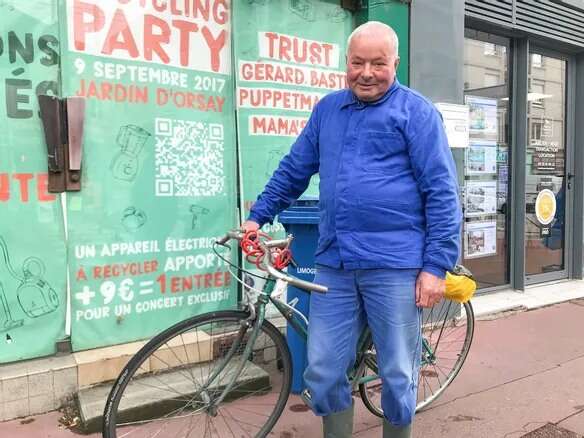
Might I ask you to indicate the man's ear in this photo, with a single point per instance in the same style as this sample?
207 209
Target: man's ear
396 62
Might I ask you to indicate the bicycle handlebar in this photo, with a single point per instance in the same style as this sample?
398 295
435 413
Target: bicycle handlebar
233 234
267 262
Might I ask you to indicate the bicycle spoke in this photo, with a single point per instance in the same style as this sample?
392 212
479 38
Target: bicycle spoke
227 424
167 416
190 427
172 390
186 356
242 422
447 331
198 364
223 414
248 411
168 365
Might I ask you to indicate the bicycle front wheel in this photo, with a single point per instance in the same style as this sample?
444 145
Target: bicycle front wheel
447 331
170 388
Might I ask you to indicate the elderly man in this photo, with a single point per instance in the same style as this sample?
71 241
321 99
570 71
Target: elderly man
389 228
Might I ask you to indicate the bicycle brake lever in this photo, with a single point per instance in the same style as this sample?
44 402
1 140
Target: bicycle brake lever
293 262
233 234
223 240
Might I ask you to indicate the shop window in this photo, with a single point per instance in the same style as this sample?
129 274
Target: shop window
503 129
489 49
491 79
485 163
536 130
536 94
536 60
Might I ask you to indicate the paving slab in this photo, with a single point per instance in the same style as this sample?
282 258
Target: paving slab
523 372
575 422
518 345
510 410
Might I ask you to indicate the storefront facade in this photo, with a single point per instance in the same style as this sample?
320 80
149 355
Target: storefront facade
517 65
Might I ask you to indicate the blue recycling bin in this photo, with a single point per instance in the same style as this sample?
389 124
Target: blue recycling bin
300 220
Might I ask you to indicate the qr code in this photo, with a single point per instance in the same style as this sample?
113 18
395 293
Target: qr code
189 158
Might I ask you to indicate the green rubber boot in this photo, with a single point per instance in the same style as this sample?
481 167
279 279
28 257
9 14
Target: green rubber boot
391 431
339 424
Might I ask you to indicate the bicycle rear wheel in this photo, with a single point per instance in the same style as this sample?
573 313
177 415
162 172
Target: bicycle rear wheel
447 331
168 388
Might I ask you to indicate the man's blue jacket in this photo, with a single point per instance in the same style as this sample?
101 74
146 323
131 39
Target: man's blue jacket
388 189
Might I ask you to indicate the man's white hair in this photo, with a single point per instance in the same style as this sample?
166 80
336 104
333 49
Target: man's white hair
368 27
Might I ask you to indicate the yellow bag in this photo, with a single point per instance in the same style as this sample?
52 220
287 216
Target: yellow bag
460 285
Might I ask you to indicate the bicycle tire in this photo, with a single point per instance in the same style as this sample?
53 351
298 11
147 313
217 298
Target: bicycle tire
431 376
266 378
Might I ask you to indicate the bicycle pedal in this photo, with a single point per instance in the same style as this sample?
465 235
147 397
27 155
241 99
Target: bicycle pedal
306 398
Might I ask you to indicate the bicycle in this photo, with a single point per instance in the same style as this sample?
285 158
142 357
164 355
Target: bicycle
229 373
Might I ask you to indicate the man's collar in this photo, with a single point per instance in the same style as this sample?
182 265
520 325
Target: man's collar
350 98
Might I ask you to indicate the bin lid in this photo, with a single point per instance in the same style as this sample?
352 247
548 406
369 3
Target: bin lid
303 211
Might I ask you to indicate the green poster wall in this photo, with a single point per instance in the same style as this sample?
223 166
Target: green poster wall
159 160
33 296
289 54
159 165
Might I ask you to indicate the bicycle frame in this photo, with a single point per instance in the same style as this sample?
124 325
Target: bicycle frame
428 354
362 353
357 368
257 311
257 317
242 356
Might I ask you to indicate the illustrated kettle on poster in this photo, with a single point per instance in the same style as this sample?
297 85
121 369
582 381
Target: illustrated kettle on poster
131 140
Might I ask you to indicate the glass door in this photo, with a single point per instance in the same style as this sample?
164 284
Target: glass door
484 165
547 182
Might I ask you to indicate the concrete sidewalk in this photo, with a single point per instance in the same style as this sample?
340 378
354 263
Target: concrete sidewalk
525 369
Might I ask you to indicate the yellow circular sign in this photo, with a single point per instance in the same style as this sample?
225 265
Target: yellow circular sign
545 206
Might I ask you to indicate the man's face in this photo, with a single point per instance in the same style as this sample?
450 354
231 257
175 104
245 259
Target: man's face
371 65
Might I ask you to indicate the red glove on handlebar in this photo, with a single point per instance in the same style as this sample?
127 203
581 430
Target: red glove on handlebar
255 254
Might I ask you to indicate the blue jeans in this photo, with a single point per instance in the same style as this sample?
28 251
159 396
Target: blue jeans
384 299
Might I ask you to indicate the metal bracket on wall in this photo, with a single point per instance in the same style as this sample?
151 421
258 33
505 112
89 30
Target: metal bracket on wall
63 346
63 127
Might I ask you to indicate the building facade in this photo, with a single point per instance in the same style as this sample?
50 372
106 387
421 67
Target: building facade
517 65
189 106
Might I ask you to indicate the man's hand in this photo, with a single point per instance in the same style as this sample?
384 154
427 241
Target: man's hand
429 289
250 226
